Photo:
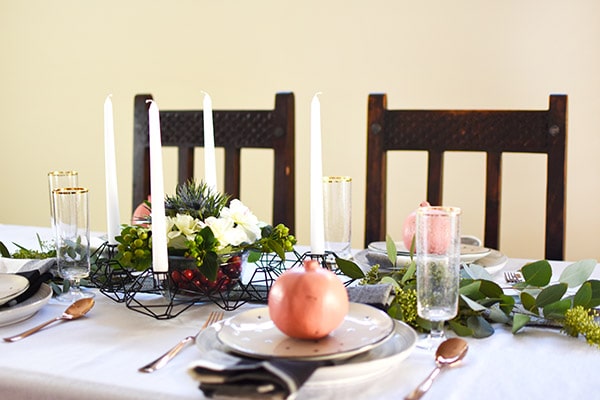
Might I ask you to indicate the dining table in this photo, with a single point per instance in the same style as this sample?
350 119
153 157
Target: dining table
98 356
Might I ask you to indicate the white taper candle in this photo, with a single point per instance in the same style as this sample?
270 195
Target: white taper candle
317 228
160 260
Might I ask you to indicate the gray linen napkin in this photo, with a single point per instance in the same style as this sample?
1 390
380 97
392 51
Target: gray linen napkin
378 295
223 375
39 265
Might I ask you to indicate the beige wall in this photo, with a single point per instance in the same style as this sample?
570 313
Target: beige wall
61 58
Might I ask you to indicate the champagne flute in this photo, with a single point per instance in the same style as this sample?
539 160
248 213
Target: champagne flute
60 179
438 266
71 217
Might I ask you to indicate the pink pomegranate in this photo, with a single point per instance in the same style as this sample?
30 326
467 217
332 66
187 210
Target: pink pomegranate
309 302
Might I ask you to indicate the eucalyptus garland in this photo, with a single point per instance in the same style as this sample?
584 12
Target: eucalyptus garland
535 302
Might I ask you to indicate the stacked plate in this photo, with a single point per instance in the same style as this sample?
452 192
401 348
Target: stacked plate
376 253
367 342
11 286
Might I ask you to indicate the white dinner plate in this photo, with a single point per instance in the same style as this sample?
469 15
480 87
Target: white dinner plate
253 333
26 309
468 252
363 367
11 286
493 262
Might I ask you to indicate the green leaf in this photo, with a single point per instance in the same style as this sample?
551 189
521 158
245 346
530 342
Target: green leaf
395 311
551 294
519 321
481 328
473 305
460 329
210 266
528 302
411 269
4 251
507 303
277 248
391 281
537 273
491 289
583 295
577 273
557 309
595 300
392 252
477 272
470 289
498 315
349 268
254 256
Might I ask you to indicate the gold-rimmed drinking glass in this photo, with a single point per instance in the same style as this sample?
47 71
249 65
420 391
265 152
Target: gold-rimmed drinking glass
72 230
438 265
337 210
60 179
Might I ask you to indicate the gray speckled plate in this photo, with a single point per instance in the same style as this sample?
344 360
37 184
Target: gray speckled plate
253 333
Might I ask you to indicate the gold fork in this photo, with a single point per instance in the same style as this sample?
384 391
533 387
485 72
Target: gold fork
161 361
513 277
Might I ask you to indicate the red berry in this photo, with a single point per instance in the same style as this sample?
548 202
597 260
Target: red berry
188 274
176 276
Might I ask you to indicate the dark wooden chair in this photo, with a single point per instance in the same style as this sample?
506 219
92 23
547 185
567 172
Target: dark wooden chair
233 130
489 131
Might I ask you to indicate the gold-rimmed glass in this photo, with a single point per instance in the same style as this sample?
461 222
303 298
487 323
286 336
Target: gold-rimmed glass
60 179
72 230
337 214
438 265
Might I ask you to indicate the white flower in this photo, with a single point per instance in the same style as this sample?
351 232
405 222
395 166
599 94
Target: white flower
244 220
226 232
181 229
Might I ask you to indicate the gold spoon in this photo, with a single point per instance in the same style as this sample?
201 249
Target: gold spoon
74 311
449 352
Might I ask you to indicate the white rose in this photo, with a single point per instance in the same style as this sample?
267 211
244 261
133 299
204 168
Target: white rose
244 219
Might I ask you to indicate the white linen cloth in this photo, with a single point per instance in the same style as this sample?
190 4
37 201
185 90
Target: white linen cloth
98 356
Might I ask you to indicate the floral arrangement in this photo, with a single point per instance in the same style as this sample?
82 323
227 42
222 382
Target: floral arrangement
202 225
482 301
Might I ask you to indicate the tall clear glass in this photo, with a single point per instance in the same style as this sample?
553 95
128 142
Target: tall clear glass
438 266
60 179
337 214
72 229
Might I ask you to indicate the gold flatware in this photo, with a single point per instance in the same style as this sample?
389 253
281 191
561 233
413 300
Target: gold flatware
74 311
163 360
449 352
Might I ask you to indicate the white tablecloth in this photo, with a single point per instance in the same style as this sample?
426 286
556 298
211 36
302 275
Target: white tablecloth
98 356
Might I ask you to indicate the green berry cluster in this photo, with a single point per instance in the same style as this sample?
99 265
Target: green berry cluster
278 236
135 247
407 301
579 320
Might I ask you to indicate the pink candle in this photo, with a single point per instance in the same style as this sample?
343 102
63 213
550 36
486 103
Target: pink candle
110 168
210 169
317 227
160 260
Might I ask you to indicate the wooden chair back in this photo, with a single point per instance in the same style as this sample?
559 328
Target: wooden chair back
491 131
233 130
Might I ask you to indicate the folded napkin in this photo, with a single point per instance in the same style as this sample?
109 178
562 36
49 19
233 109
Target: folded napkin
13 265
378 295
223 375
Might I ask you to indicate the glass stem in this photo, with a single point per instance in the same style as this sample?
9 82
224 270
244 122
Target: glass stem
75 288
437 330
